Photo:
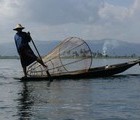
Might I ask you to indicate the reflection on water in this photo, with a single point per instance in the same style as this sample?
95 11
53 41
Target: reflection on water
111 98
99 99
64 100
25 103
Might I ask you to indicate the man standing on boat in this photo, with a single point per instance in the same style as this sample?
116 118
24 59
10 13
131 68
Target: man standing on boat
25 52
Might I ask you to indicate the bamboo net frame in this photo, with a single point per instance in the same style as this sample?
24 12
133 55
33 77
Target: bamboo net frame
69 57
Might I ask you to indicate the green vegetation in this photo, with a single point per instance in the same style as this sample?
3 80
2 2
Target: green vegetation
76 55
100 55
85 53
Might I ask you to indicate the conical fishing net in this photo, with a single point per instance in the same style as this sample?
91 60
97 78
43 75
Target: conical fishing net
69 57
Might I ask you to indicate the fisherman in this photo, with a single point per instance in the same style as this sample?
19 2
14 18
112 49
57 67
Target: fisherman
25 52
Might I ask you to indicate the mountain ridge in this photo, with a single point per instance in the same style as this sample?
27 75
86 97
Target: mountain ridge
109 47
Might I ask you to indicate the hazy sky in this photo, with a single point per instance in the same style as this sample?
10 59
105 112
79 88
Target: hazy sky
59 19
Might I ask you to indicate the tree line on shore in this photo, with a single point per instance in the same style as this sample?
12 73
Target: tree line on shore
94 55
100 55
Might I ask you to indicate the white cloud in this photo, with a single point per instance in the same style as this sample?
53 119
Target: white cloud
57 12
111 12
57 19
6 9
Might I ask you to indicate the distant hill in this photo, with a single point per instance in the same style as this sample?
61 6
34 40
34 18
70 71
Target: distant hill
114 47
9 49
106 46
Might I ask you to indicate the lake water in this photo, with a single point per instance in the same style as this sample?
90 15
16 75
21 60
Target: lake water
111 98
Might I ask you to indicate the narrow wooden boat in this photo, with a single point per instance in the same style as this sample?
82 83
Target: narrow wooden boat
103 71
72 59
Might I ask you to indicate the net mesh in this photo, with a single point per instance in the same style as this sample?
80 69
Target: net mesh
70 56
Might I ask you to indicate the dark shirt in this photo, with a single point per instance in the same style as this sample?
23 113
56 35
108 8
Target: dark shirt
27 56
21 40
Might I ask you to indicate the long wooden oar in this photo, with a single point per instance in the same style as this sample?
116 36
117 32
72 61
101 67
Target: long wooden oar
49 76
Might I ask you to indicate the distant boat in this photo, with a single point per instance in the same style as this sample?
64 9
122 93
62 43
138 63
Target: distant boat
72 59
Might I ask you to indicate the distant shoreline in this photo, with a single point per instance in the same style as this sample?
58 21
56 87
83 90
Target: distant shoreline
117 57
108 57
9 57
